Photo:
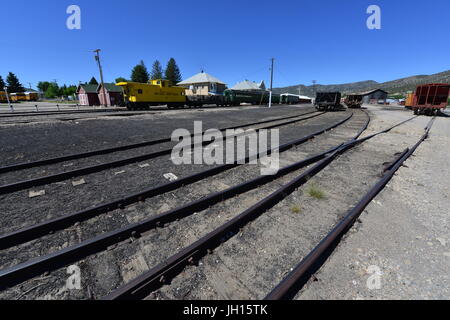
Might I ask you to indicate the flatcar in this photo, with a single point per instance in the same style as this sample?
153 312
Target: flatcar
328 100
354 100
431 98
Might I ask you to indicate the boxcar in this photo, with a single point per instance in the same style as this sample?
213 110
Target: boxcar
409 100
430 98
354 100
328 100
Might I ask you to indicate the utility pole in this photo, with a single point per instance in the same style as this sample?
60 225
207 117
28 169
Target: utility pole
29 83
271 84
97 58
314 89
7 98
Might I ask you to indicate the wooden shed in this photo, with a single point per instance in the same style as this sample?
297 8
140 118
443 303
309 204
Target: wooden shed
87 95
114 94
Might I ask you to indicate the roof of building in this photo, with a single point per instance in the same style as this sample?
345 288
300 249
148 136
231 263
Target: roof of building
201 77
249 85
110 87
370 92
89 88
296 95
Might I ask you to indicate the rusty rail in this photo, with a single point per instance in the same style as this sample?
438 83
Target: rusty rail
295 280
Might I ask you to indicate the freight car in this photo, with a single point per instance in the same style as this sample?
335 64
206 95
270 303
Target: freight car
328 100
431 98
354 100
409 100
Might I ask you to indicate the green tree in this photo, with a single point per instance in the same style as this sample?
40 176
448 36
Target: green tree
93 81
2 84
173 72
140 73
70 91
43 86
121 79
13 84
157 72
52 91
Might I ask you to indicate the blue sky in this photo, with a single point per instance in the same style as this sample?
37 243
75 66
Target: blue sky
326 40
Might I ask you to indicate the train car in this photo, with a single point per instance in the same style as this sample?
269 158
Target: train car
140 96
236 97
328 100
287 98
354 100
431 98
31 96
3 97
17 97
409 100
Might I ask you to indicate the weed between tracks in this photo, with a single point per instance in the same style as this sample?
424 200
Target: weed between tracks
296 209
315 192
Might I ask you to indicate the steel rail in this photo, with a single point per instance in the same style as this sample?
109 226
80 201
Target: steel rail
25 165
296 279
16 274
17 186
157 276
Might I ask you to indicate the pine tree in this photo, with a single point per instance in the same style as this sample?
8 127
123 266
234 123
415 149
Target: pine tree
173 72
93 81
13 84
2 84
157 72
140 73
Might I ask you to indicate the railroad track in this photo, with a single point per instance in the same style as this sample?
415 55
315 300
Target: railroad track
164 150
162 273
33 232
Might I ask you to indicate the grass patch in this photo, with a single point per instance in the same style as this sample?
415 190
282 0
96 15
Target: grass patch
296 209
315 192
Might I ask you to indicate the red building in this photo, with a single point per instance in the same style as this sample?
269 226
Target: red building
114 94
87 95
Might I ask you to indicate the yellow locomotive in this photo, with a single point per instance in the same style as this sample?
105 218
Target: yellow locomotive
140 96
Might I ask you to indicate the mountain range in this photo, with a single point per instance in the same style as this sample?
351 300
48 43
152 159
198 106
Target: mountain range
394 87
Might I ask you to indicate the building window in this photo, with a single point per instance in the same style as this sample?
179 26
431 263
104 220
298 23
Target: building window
139 91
